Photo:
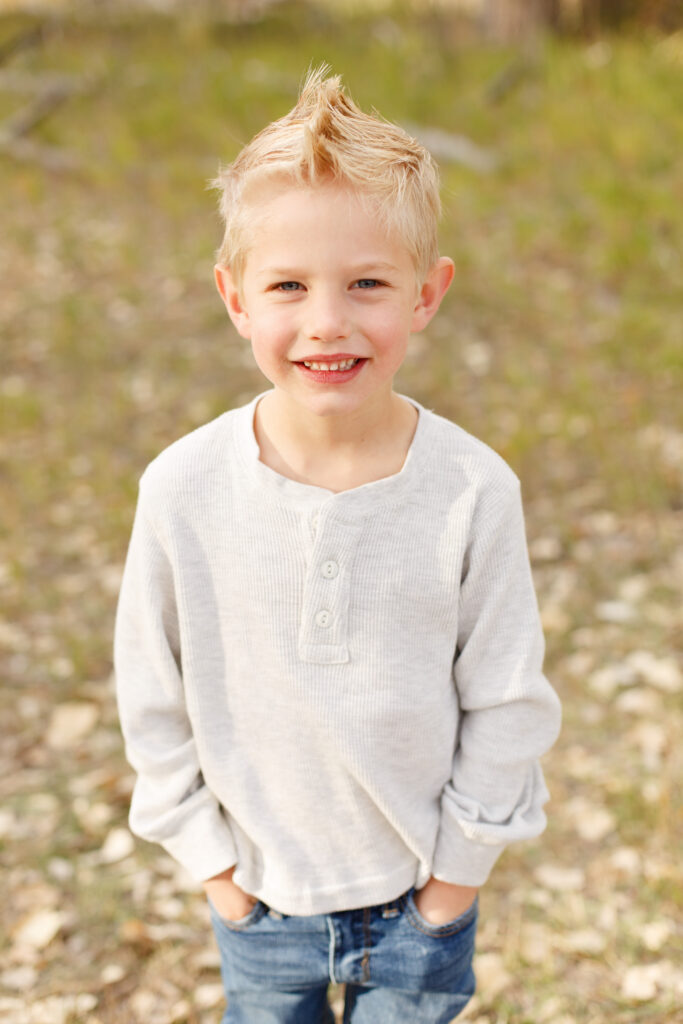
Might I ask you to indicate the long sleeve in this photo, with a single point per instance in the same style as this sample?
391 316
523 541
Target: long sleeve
171 803
510 715
337 693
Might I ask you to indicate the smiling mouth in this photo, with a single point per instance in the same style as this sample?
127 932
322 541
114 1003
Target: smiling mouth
342 364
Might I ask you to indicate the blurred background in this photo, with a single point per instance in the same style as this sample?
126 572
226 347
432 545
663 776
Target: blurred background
558 126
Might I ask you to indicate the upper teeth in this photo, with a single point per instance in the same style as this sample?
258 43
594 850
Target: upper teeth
344 364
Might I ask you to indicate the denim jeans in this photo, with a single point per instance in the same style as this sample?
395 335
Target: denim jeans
397 968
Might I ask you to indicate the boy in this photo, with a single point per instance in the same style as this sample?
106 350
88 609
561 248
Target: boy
327 647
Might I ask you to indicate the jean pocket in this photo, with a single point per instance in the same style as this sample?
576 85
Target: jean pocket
454 927
242 923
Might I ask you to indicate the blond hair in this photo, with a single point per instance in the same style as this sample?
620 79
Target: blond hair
327 139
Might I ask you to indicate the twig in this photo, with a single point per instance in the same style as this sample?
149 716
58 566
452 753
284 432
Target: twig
49 157
507 80
34 81
456 149
33 113
22 41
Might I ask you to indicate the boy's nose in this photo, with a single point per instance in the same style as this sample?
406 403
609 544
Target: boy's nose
327 319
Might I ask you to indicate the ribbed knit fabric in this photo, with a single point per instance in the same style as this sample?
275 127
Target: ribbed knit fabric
340 693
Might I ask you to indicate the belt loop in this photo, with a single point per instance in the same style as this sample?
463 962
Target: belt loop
391 909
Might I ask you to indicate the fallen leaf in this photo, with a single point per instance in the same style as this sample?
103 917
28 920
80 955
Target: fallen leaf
535 944
586 941
607 680
168 908
60 869
617 612
38 929
625 860
545 549
118 844
209 995
92 816
663 673
144 1004
70 723
112 973
554 619
634 588
550 1009
651 738
134 932
583 765
560 879
591 821
640 983
179 1012
491 976
19 978
656 933
8 824
639 701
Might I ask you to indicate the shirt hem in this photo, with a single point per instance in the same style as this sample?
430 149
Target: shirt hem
367 893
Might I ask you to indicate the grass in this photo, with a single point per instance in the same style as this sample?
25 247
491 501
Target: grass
559 345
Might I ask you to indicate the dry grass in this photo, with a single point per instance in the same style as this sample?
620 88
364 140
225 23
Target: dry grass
559 346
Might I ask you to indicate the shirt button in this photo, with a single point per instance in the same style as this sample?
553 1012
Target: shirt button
323 619
329 570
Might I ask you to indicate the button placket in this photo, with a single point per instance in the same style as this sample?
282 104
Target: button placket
323 636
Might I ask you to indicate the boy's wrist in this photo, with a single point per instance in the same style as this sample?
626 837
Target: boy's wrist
222 876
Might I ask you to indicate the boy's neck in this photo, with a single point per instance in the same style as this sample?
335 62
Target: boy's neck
337 453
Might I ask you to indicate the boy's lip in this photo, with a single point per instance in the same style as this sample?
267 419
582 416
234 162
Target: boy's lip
319 371
337 357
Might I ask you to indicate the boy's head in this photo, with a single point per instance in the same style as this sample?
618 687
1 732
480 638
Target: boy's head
327 139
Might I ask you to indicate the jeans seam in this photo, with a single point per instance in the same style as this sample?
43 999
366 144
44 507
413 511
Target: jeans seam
367 942
332 950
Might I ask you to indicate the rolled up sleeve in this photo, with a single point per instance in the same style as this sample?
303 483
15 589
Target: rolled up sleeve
510 715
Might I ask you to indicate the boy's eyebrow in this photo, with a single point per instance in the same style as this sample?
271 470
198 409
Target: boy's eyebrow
358 268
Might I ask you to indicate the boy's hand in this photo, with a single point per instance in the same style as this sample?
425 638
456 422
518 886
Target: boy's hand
440 902
230 901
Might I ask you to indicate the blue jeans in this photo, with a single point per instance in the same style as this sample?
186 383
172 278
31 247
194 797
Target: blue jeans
397 968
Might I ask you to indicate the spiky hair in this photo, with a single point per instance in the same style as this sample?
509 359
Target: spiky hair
327 138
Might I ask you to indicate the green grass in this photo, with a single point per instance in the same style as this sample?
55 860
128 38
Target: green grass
559 345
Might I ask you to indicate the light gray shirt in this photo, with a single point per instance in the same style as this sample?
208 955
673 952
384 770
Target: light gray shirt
339 693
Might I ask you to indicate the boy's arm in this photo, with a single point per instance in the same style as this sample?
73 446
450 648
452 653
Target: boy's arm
510 713
171 804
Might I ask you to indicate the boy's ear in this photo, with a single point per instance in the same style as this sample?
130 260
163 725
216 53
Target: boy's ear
229 292
436 285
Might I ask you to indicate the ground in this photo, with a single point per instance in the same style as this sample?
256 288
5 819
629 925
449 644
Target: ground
559 345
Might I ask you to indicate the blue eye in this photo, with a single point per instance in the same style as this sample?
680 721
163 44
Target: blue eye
288 286
367 282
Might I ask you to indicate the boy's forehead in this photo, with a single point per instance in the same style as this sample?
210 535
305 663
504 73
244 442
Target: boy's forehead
289 220
280 199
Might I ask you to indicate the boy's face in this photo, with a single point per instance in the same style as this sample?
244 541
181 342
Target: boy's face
328 300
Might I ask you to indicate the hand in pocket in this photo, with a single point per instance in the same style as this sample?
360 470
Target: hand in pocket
440 902
230 902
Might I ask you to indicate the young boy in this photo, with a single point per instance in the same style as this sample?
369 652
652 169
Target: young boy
327 647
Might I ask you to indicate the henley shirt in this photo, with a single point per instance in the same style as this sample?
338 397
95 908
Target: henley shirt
339 693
